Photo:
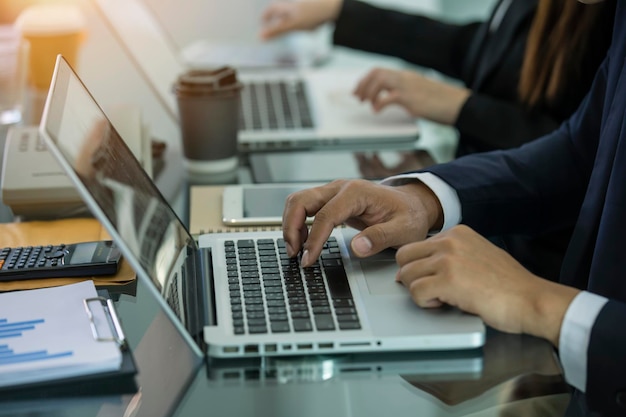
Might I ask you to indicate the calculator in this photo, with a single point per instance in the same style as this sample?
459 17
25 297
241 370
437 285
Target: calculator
83 259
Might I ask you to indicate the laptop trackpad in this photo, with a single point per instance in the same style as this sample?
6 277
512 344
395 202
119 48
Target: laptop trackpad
380 272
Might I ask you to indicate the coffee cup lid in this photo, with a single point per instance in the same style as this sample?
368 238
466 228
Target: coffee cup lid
222 79
50 19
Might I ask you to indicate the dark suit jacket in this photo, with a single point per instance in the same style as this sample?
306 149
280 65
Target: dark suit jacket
488 64
575 175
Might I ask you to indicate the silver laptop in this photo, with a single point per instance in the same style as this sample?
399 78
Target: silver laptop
281 108
238 293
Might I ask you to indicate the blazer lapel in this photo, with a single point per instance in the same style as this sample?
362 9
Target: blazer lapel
489 57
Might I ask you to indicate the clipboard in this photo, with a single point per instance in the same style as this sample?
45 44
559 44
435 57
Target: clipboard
120 381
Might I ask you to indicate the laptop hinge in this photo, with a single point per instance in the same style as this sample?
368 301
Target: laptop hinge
208 291
200 307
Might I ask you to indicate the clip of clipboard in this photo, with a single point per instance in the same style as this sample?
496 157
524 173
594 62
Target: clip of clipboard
112 319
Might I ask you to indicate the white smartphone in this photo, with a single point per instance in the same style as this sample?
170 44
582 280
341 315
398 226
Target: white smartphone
257 204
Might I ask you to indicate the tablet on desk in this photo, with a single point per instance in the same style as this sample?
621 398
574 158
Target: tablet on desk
318 166
257 204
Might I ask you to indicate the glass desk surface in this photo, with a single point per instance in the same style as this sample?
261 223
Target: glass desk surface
511 375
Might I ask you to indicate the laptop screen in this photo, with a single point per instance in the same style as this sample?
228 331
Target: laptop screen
117 189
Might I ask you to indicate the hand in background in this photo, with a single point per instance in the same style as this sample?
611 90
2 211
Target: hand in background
420 96
372 167
388 216
282 17
461 268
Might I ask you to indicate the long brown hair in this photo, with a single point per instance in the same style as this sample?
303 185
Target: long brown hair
558 42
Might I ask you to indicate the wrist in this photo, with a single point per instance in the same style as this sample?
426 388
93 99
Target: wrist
547 310
451 101
334 9
429 202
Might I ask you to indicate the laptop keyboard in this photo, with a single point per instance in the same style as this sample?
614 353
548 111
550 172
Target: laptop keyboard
276 105
271 293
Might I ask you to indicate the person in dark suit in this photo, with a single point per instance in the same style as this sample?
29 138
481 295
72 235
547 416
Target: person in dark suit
524 71
506 99
575 175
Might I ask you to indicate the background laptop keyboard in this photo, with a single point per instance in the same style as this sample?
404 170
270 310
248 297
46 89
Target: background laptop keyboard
275 105
271 293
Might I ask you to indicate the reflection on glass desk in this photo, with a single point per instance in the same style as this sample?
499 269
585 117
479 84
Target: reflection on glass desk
511 372
512 375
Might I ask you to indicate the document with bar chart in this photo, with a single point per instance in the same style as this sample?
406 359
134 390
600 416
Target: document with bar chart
55 333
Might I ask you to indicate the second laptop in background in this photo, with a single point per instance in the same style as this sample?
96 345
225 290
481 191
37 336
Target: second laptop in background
332 116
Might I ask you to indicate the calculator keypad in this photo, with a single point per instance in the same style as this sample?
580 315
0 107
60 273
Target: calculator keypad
29 257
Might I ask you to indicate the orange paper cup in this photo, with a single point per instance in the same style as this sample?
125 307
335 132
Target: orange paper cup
50 30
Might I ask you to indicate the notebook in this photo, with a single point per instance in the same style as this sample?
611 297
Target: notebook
214 288
336 117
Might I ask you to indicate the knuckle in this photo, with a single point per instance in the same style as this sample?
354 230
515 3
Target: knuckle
416 289
350 186
322 216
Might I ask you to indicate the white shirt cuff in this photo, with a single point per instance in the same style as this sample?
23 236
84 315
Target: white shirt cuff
447 195
574 338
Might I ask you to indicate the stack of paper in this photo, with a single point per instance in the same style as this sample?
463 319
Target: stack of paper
48 334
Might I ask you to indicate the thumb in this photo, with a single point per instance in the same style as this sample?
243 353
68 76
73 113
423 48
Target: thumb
274 29
373 239
383 100
277 19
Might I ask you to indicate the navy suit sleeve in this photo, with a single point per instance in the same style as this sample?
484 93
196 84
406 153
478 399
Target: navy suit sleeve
542 184
488 122
534 188
416 39
606 363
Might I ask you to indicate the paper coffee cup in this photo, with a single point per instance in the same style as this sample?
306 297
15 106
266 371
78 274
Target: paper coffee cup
51 30
208 104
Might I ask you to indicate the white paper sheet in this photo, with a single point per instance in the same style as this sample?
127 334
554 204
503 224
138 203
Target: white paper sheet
46 334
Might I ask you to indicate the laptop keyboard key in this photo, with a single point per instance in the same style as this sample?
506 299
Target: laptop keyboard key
324 322
277 310
321 310
349 325
343 302
338 283
302 314
344 310
320 303
256 322
279 326
347 317
257 329
256 315
302 325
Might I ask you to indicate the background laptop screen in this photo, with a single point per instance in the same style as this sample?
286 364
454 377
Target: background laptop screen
123 193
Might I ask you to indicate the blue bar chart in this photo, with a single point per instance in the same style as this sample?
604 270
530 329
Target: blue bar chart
48 334
11 331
